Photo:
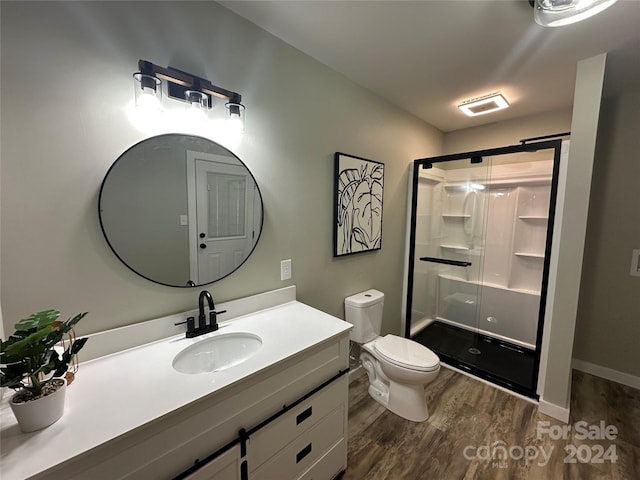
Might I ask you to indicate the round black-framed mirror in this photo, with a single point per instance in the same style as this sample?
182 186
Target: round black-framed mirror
180 210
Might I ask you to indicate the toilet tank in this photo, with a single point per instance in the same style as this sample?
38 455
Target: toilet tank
364 311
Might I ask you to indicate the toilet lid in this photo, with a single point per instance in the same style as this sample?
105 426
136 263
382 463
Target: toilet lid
406 353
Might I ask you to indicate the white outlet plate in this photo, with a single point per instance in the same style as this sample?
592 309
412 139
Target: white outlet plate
285 269
635 263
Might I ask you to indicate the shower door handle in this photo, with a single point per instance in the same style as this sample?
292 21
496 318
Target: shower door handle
456 263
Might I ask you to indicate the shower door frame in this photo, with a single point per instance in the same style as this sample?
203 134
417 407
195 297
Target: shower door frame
473 156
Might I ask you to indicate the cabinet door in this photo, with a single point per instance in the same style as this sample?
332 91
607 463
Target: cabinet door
224 467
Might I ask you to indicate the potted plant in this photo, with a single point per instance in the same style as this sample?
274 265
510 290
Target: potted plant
30 364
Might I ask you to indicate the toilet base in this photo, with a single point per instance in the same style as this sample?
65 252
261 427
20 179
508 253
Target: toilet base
406 401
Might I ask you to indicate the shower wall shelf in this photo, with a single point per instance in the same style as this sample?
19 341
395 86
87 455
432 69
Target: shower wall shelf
455 247
489 284
530 235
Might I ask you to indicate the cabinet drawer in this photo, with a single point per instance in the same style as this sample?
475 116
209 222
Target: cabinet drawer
305 450
295 422
224 467
329 465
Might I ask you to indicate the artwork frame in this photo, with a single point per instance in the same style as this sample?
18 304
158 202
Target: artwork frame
358 204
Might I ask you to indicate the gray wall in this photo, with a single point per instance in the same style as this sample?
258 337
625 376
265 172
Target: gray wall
143 198
66 86
501 134
608 326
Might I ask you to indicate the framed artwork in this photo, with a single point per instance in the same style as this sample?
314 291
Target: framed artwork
357 212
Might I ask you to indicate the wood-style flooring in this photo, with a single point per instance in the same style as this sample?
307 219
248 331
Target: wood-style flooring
468 416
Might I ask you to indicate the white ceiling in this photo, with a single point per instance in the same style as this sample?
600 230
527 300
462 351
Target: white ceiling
427 56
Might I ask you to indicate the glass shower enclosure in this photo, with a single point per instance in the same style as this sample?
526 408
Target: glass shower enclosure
480 239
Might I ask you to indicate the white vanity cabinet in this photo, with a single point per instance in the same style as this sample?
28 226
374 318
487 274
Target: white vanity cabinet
279 415
294 414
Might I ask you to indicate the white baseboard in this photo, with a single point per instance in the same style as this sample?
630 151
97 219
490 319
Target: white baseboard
606 373
553 410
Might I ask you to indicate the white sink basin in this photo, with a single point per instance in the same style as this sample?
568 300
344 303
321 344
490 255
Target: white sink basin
217 353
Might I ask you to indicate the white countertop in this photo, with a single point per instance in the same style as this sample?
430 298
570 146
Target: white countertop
115 394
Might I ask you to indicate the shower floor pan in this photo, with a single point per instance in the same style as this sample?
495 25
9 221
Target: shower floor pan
508 365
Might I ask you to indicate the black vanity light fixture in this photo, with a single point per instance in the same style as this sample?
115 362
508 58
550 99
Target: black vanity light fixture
556 13
197 92
484 104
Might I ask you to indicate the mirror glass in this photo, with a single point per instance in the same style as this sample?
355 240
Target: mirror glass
180 210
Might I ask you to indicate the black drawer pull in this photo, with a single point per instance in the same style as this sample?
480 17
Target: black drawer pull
303 453
303 416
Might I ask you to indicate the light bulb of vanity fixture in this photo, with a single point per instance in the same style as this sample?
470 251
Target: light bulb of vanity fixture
557 13
197 105
148 94
235 110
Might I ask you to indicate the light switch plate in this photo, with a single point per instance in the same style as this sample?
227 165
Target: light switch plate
635 263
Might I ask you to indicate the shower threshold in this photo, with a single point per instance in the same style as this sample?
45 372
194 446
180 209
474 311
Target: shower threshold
508 365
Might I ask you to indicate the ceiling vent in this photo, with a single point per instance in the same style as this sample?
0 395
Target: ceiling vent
484 104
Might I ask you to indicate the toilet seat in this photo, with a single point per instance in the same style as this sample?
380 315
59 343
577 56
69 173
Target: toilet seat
406 353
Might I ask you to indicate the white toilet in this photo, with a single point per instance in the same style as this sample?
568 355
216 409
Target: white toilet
398 368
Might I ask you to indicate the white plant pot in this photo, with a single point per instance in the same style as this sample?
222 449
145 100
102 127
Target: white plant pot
37 414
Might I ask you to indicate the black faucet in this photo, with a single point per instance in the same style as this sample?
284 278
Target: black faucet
202 320
194 330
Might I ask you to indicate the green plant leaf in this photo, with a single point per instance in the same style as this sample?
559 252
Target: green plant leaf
11 381
77 345
29 352
69 324
38 320
29 343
